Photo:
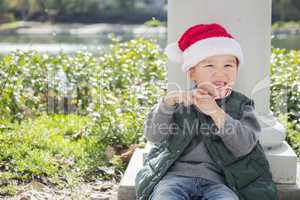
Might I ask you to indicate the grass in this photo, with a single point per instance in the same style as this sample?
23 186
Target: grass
11 25
52 149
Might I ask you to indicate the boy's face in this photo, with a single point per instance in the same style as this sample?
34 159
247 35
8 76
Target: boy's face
219 70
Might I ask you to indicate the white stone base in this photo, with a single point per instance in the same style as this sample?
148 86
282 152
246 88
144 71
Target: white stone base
126 189
282 159
273 132
283 163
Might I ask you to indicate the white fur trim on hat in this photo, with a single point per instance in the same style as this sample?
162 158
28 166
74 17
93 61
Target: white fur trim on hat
210 47
174 53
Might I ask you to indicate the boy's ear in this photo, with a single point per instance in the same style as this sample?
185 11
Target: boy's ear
191 74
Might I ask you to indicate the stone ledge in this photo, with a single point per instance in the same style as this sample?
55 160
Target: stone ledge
126 189
283 154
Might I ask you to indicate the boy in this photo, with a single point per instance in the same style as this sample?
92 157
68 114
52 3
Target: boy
206 139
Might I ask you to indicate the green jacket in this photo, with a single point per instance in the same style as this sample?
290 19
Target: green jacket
248 176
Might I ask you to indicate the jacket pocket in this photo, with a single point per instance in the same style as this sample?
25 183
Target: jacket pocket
245 171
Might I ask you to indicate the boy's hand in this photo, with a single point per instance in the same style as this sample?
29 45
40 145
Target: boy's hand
209 88
208 106
205 102
199 97
202 97
185 97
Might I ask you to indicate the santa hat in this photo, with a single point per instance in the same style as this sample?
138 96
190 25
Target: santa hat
202 41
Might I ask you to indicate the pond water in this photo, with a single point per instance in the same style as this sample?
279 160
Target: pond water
53 43
69 43
287 41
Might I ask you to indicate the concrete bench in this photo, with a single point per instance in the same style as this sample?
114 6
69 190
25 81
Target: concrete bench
126 189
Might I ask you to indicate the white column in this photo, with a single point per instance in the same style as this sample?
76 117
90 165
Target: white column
250 23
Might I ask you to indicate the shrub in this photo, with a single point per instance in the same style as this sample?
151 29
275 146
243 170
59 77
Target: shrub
285 83
293 133
33 83
285 93
286 25
154 23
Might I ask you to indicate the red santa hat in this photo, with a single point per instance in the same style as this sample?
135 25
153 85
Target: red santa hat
202 41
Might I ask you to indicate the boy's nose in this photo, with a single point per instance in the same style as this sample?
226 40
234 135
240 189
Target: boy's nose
220 73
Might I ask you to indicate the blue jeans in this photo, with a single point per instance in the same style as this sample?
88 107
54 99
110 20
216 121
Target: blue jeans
173 187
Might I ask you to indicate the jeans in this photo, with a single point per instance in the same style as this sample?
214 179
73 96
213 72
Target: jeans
173 187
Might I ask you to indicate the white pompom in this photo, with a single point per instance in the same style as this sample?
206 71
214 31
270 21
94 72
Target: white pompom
174 53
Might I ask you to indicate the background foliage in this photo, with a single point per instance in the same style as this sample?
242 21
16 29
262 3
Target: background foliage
82 10
285 83
65 118
87 10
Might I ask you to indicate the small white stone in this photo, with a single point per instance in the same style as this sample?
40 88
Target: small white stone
99 196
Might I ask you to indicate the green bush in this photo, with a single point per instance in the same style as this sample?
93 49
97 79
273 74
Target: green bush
293 133
285 92
286 25
33 83
285 83
116 88
133 76
154 23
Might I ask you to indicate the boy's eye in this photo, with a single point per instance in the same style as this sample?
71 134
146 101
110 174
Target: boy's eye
228 66
208 65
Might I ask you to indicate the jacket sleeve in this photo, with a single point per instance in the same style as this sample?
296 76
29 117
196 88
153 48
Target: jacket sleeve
240 136
159 122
